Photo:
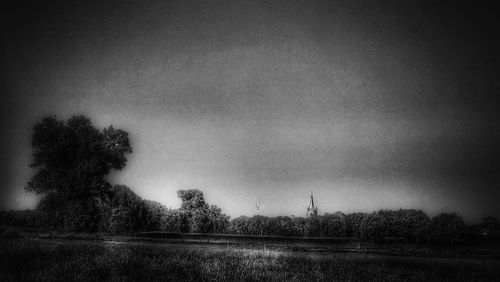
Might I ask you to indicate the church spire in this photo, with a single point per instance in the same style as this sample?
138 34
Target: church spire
311 209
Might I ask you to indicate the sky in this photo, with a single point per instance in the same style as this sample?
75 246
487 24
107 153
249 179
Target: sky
370 104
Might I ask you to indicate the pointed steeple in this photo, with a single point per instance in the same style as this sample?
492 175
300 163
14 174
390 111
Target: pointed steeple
311 209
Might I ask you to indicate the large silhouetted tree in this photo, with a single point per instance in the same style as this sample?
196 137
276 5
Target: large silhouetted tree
72 159
202 218
191 199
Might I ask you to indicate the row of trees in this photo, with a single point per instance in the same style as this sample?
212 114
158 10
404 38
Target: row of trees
125 212
128 213
407 224
72 159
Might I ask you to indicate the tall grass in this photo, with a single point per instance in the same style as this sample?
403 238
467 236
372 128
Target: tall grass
29 260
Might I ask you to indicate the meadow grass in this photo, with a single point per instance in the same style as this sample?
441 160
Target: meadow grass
36 260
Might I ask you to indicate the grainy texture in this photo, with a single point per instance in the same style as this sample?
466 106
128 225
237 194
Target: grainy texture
24 260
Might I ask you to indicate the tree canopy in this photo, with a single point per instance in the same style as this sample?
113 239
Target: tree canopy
72 158
191 199
201 217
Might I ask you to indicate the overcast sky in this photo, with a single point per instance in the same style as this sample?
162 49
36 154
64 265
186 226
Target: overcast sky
372 104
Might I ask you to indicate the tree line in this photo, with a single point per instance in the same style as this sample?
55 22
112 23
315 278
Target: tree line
72 159
125 213
409 225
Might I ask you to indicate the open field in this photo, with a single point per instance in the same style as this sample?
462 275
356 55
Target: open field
65 260
388 247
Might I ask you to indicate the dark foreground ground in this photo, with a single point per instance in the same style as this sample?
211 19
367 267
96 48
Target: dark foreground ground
83 260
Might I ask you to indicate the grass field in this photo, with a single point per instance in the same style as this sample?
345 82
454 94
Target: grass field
59 260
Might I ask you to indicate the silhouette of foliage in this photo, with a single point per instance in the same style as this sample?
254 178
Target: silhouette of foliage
353 222
334 225
191 199
72 159
373 227
447 228
201 217
127 211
